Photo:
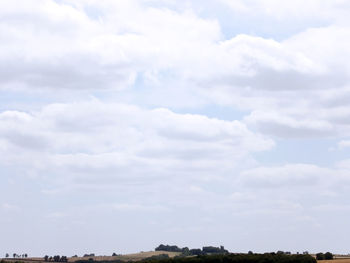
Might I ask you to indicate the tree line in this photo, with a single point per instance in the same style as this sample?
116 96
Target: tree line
325 256
192 252
56 258
222 258
15 255
239 258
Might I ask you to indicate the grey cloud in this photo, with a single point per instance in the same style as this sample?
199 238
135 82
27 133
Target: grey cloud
287 131
291 80
294 175
290 126
25 140
74 72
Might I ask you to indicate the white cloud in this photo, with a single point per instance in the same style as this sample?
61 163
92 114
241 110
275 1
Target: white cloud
100 45
102 160
139 208
301 92
123 141
57 45
283 125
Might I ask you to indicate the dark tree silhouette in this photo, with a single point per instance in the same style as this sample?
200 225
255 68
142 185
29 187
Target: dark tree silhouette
320 256
328 256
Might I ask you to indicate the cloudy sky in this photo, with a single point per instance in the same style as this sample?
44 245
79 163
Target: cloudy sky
129 123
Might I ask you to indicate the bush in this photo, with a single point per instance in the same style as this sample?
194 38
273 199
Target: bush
320 256
328 255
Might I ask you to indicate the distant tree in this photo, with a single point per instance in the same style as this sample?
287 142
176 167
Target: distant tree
279 252
250 252
161 247
196 251
46 258
168 248
7 255
14 255
114 255
320 256
185 251
214 250
328 256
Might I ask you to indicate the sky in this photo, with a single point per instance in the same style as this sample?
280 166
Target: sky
125 124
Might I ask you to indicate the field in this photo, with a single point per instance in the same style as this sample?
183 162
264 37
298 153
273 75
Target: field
336 260
129 257
126 257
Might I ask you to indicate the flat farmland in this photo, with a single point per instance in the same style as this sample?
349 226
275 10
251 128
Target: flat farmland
336 260
126 257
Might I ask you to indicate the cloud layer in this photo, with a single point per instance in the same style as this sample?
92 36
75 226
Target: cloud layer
165 118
